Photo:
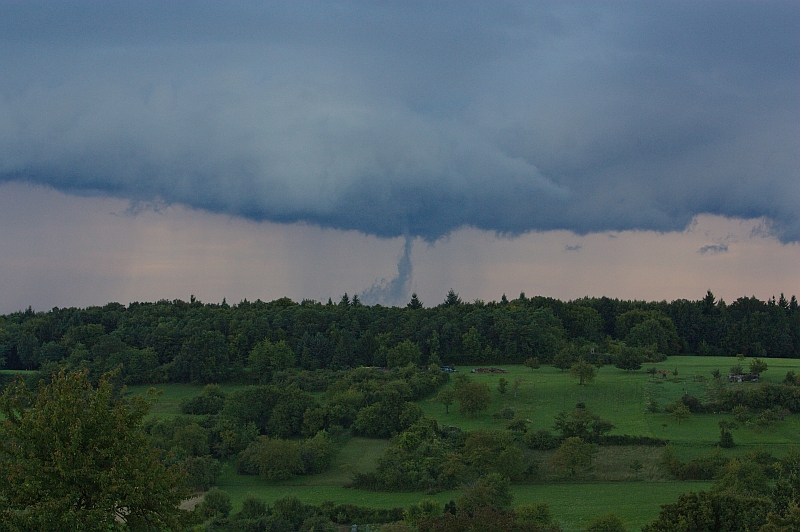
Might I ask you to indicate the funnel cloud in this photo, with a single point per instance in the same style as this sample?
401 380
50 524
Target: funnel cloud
395 290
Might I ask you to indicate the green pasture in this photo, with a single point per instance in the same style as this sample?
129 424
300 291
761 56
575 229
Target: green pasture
622 398
611 486
167 398
543 393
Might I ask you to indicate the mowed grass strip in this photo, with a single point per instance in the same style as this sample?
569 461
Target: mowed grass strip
573 505
240 487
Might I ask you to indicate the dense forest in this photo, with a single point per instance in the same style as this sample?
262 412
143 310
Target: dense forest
178 341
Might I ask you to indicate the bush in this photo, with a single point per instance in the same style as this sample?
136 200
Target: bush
741 413
705 468
726 439
491 491
210 401
606 523
692 403
518 425
201 472
541 440
506 413
707 511
653 407
291 510
766 418
252 508
272 458
317 453
574 454
216 503
625 439
318 523
344 514
417 512
536 513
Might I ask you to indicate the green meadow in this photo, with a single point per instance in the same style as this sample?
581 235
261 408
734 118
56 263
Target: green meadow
167 398
612 485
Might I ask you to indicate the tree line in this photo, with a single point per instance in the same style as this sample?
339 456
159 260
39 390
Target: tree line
179 341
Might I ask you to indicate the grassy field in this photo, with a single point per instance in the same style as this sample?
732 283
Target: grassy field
168 397
620 397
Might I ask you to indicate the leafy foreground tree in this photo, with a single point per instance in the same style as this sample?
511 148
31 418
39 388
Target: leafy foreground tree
73 457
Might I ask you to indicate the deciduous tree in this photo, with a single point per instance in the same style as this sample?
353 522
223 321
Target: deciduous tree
575 454
73 457
758 366
446 397
473 397
533 363
629 358
583 371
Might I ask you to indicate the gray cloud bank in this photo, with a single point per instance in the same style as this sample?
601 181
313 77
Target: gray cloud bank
412 118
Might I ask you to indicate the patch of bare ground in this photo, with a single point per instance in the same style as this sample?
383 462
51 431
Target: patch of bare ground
191 503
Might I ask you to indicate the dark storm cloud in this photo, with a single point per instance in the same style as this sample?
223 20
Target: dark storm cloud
412 118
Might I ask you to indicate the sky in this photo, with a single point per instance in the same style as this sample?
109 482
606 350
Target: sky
157 150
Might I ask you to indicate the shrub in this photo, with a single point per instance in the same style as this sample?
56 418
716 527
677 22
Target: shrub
766 418
541 440
726 439
536 513
505 413
210 401
201 472
351 513
692 403
252 508
606 523
705 468
741 413
318 523
316 453
272 458
291 510
417 512
518 425
574 454
625 439
216 503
